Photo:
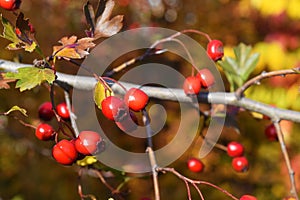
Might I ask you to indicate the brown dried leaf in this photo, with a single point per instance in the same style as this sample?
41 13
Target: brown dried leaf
106 27
73 48
4 83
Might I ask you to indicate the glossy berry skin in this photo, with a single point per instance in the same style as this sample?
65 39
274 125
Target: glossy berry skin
136 99
235 149
240 164
10 4
206 77
192 85
215 50
44 132
64 152
195 165
271 133
89 142
129 124
45 111
248 197
114 108
62 110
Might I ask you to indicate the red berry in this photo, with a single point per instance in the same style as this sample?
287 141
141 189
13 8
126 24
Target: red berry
206 77
192 85
18 32
240 164
271 133
129 123
215 50
62 110
114 108
136 99
64 152
235 149
89 142
10 4
195 165
248 197
44 132
45 111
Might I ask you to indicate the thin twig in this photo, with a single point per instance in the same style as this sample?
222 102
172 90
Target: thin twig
153 163
239 92
180 176
293 190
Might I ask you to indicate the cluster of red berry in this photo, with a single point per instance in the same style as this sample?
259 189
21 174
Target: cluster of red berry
67 151
236 151
121 111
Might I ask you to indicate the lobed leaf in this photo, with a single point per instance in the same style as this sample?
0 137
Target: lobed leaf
30 77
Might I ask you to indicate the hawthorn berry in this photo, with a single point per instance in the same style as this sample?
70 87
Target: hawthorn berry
271 133
44 132
206 77
248 197
10 4
240 164
195 165
192 85
89 142
64 152
114 108
235 149
215 50
45 111
129 123
62 110
136 99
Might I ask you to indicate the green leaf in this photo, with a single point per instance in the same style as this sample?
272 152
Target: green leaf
16 108
8 30
101 91
30 77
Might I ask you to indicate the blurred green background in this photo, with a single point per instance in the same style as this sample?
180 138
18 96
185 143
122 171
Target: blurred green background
27 170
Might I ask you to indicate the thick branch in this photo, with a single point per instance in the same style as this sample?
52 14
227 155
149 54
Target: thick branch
173 94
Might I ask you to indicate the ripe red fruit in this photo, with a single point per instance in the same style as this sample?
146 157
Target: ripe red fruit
10 4
206 77
44 132
235 149
192 85
271 133
62 110
114 108
240 164
248 197
64 152
215 50
129 123
45 111
136 99
89 142
195 165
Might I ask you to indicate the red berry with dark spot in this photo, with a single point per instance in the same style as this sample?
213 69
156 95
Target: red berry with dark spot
271 133
195 165
10 4
62 110
248 197
45 111
235 149
240 164
136 99
192 85
64 152
89 142
114 108
206 77
44 132
215 50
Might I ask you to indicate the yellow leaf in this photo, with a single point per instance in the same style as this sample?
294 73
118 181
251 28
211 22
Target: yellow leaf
101 91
